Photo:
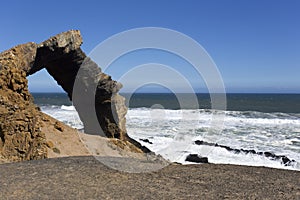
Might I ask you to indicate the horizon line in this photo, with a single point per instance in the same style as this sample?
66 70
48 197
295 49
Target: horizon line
181 93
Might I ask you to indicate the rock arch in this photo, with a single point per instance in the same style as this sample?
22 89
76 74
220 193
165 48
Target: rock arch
62 57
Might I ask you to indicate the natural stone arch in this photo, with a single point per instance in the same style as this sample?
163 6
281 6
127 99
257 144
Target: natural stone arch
62 57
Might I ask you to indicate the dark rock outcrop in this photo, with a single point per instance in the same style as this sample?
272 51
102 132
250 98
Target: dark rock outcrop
283 159
147 141
196 158
62 57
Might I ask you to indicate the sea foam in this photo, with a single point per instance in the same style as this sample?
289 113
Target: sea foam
173 132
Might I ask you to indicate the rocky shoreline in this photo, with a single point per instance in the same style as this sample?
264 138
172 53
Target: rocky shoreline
59 161
282 158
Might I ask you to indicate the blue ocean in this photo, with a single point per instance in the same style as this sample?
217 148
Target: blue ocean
257 122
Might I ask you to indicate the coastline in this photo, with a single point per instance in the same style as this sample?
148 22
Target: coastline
56 161
75 174
248 137
86 178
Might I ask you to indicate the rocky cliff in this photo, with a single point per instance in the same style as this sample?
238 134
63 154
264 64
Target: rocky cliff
20 134
21 137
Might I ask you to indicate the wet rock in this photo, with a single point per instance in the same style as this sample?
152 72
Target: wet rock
269 154
252 151
199 142
283 159
236 151
196 158
147 141
286 161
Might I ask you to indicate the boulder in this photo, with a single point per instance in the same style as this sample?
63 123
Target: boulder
196 158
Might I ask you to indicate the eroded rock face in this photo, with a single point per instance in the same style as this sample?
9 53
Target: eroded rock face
20 135
96 92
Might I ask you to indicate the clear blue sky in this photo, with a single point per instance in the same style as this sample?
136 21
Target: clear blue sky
254 43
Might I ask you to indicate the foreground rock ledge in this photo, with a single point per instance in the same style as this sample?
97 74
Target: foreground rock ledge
86 178
21 137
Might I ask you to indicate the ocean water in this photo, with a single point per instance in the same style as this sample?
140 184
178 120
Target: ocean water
259 122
